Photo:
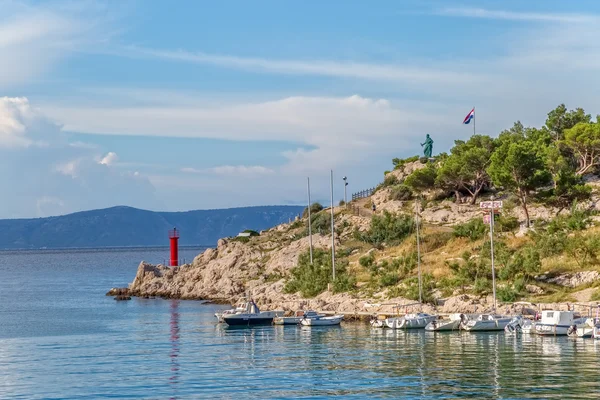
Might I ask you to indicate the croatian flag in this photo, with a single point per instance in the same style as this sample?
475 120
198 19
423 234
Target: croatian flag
469 117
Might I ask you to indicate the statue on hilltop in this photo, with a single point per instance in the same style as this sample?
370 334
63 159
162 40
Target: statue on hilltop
428 147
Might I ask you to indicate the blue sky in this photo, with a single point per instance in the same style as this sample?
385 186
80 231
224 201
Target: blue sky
193 104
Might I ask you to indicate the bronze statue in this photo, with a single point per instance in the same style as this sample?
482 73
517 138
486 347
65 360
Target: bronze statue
428 149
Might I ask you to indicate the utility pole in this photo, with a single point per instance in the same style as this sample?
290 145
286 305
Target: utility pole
310 244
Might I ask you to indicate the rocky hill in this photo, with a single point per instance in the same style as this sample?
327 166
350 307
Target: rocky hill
547 243
127 226
379 272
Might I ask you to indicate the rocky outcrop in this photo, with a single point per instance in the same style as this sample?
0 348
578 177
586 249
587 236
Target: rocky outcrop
576 279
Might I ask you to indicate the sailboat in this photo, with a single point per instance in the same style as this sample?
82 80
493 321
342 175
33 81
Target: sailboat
491 321
417 320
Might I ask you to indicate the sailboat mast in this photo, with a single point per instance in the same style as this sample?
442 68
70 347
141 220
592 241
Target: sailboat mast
418 250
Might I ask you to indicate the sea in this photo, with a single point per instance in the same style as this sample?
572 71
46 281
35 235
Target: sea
62 338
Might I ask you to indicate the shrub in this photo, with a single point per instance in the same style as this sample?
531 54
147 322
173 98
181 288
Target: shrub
576 221
524 263
312 279
367 261
314 208
399 163
401 193
482 286
390 180
422 179
389 279
506 294
474 229
251 232
506 224
433 241
321 223
470 269
342 203
387 228
412 288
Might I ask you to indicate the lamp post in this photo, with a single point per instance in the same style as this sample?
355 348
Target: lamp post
345 198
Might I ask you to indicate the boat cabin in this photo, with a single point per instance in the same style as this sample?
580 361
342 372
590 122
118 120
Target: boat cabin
551 317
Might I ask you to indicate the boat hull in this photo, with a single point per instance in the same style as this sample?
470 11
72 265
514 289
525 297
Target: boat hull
324 321
487 325
247 321
442 326
287 320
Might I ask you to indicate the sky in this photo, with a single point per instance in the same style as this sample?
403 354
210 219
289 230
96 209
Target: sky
195 105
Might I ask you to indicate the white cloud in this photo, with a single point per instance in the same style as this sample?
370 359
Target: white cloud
407 74
57 178
69 168
516 16
242 170
232 170
21 125
34 38
109 159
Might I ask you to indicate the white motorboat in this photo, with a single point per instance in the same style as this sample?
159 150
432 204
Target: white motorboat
556 323
295 320
485 322
585 330
322 321
239 308
450 324
250 316
411 321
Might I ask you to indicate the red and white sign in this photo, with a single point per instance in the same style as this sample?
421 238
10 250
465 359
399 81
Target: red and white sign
488 205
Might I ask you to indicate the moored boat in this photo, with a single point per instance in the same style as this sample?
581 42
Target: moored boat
447 324
556 323
250 316
295 320
411 321
485 322
239 308
322 321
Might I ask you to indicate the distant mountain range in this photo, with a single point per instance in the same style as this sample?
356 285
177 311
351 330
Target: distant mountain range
127 226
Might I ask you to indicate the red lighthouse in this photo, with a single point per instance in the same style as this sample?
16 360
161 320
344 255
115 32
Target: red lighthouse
174 237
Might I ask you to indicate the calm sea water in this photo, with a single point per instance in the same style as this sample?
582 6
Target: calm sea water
61 338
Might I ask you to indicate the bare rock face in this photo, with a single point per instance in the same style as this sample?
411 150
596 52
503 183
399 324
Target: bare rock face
576 279
534 289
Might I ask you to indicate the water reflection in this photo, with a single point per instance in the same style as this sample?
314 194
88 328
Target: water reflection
174 354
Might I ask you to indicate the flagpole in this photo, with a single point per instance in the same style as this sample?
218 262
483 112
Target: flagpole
473 120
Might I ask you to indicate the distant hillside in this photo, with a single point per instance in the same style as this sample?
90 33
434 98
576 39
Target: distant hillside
127 226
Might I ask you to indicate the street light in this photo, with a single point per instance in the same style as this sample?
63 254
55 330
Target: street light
345 197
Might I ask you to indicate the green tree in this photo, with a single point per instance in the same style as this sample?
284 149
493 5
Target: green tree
584 140
560 120
466 167
517 166
422 179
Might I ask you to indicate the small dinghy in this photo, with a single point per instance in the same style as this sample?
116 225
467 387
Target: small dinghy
322 321
295 320
441 325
